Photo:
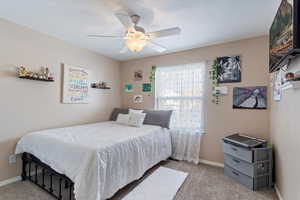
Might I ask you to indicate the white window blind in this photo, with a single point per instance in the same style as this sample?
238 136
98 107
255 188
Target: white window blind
181 89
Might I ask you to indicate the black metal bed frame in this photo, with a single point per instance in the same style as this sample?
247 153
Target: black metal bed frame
33 163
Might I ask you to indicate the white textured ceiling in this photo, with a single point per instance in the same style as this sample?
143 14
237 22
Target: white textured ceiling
203 22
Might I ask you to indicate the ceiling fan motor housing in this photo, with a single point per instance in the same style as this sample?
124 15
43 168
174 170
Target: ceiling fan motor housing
135 19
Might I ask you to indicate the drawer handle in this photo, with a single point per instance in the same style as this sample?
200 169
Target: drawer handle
235 160
235 173
234 149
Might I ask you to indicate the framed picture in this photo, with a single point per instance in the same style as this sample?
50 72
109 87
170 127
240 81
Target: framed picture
138 98
229 69
147 87
250 97
138 75
75 85
128 88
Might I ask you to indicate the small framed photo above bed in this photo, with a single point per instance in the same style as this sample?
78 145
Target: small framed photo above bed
75 85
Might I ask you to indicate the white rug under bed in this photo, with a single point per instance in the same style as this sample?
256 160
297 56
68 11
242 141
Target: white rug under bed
162 184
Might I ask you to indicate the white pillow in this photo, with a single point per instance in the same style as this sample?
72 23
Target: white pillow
135 111
123 119
136 119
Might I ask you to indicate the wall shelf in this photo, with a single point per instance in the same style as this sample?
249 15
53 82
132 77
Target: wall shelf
290 85
36 79
103 88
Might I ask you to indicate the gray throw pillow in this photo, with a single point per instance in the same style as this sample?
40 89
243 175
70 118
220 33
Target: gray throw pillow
158 117
116 111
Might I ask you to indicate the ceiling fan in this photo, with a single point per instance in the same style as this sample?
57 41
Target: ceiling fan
136 38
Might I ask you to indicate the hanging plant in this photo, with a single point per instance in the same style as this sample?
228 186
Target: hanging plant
152 74
213 75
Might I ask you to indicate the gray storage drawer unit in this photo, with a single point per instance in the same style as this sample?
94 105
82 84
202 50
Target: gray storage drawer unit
252 167
252 183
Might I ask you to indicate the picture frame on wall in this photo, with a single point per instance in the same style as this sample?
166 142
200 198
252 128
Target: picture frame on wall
138 75
250 97
76 85
229 69
138 98
147 87
128 87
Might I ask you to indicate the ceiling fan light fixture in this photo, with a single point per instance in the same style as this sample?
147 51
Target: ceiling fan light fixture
136 40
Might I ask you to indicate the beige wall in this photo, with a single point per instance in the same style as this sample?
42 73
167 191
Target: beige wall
222 120
285 136
27 106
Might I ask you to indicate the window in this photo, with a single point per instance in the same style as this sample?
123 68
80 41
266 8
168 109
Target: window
181 89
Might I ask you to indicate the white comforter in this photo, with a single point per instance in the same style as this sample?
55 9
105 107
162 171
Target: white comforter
99 158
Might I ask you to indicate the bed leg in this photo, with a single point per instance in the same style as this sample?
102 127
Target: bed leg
66 184
71 191
43 178
51 184
24 163
60 195
36 174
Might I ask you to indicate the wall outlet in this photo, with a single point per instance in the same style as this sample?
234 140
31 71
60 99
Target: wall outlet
12 159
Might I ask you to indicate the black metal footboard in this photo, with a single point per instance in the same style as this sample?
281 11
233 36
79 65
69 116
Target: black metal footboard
36 172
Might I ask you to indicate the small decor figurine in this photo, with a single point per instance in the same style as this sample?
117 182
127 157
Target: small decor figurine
44 75
100 85
22 72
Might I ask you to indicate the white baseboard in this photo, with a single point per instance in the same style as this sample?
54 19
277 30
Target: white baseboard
278 193
215 164
9 181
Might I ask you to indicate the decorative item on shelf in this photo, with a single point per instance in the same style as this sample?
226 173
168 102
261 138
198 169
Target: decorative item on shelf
220 90
100 85
44 75
290 76
213 75
297 76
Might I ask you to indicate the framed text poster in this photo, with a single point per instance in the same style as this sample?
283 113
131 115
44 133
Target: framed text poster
75 85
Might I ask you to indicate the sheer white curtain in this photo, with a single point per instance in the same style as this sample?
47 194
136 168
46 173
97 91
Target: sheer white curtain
181 89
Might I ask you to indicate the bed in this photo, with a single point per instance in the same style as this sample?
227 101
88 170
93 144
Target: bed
98 159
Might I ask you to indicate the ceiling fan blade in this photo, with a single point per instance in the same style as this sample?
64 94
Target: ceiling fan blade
124 50
125 20
107 36
157 47
165 32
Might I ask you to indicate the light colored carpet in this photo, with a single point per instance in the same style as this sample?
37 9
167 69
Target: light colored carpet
162 184
203 183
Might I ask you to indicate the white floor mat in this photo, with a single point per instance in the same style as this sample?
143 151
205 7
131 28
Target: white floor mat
162 184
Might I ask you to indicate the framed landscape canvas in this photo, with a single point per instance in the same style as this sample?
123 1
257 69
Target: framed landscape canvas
229 69
75 85
285 34
250 97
